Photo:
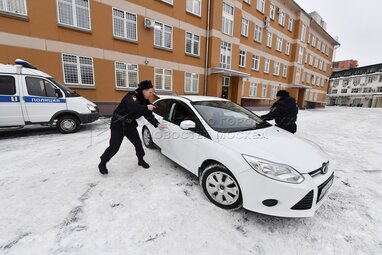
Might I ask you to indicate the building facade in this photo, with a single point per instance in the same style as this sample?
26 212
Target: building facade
243 50
344 65
360 87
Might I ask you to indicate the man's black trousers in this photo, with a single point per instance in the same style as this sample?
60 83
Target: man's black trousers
116 138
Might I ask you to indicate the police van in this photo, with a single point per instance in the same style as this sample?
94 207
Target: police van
29 96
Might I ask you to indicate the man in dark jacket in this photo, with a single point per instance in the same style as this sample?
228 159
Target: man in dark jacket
123 123
284 112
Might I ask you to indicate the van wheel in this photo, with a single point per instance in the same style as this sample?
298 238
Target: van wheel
147 138
221 187
68 124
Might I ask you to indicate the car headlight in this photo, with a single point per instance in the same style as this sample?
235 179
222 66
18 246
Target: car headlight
92 108
274 170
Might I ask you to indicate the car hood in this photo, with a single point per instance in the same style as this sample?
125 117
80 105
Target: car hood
276 145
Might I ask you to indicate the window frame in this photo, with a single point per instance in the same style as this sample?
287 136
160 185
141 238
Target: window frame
191 84
163 32
6 11
163 76
124 25
74 12
193 41
127 75
78 68
193 5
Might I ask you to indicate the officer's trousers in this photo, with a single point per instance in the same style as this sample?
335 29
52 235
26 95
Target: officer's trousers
116 138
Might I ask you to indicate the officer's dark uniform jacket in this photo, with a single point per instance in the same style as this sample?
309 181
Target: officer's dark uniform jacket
132 107
284 112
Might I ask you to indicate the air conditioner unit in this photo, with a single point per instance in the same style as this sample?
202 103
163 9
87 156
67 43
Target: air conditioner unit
149 23
266 24
267 19
279 10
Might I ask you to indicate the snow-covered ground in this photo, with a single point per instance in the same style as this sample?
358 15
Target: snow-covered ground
53 200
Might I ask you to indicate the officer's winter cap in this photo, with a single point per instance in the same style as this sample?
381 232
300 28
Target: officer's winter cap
282 93
145 85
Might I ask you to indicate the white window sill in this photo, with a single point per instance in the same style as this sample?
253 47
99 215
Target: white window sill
125 39
79 29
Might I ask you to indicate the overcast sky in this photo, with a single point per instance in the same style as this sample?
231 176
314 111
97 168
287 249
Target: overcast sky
357 23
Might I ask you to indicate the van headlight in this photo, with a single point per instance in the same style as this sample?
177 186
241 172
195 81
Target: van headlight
274 170
92 108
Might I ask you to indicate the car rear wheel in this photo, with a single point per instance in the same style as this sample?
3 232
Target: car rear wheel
147 138
221 187
68 124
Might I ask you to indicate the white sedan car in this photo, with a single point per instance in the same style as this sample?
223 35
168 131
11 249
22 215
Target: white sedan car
241 160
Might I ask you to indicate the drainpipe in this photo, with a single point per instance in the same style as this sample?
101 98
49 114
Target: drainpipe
207 47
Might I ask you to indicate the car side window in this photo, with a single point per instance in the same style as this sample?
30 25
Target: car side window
7 85
162 108
181 113
40 87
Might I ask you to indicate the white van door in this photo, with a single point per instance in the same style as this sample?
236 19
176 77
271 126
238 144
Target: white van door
41 100
10 106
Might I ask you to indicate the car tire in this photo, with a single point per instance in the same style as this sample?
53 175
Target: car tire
221 187
147 138
68 124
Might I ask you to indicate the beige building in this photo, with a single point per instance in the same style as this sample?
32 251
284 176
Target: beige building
244 50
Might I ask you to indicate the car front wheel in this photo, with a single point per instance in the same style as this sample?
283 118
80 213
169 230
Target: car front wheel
221 187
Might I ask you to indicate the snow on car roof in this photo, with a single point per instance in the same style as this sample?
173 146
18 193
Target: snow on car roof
192 98
12 69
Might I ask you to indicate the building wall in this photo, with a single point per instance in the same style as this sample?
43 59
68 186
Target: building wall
41 40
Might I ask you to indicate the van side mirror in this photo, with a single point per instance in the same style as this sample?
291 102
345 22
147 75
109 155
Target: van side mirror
187 124
58 93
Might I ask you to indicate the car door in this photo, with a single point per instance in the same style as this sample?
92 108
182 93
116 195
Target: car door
10 107
41 100
186 147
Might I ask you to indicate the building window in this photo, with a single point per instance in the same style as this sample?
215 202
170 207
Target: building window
78 70
273 92
310 60
318 81
255 62
260 6
244 27
369 79
298 76
318 45
303 33
316 62
18 7
344 91
253 89
258 33
227 21
225 55
279 44
126 75
194 6
247 1
269 39
163 79
163 35
74 13
226 81
191 84
379 89
334 91
276 68
192 44
272 10
321 64
287 48
300 55
281 17
266 65
380 78
125 25
285 71
264 90
290 24
242 58
313 41
355 90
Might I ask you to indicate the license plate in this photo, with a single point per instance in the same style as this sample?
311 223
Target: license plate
325 189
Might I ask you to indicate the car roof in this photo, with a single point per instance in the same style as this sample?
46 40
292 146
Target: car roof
191 98
13 69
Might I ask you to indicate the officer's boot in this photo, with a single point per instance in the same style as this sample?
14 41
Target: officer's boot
143 163
102 168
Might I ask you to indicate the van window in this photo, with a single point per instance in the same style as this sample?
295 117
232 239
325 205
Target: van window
7 85
40 87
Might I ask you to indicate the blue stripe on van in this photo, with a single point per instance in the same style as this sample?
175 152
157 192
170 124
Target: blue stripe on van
29 99
9 99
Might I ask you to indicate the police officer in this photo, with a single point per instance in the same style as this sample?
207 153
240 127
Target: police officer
134 105
284 112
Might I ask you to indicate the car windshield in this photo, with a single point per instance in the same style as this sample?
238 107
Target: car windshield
228 117
68 92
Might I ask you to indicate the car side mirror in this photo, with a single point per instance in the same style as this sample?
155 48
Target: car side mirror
58 93
187 124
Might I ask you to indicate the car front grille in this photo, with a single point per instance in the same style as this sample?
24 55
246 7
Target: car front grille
322 186
305 203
